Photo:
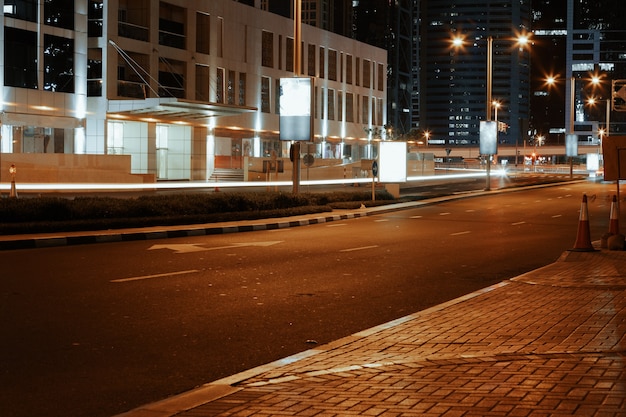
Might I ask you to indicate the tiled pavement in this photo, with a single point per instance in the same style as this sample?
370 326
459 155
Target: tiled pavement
551 342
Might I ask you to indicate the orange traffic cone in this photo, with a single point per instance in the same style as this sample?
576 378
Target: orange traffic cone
583 238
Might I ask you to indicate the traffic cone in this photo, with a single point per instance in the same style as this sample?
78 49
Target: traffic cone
583 238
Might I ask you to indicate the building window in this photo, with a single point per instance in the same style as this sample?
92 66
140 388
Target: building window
21 9
203 33
94 72
267 50
95 18
133 19
242 88
230 88
381 77
58 61
365 109
331 104
131 76
366 73
171 25
20 58
219 86
265 95
277 96
357 72
332 65
311 59
349 69
289 55
339 106
202 83
349 107
171 78
59 13
322 62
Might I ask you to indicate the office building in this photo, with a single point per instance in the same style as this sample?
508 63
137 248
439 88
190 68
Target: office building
596 47
138 90
454 80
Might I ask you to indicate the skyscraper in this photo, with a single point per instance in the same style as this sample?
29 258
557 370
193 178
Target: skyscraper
454 80
596 47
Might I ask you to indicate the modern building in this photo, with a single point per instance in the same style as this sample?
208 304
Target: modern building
454 79
596 47
138 90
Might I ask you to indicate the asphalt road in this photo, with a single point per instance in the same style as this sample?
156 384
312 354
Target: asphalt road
96 330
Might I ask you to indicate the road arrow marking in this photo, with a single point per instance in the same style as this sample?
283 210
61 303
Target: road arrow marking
190 247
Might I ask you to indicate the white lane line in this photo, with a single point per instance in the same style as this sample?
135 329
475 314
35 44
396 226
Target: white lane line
381 220
557 215
337 225
361 248
460 233
415 217
517 223
169 274
445 213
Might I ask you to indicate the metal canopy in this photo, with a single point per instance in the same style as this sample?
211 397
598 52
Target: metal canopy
173 109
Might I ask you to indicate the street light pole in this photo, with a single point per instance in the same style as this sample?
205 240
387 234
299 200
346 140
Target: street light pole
489 89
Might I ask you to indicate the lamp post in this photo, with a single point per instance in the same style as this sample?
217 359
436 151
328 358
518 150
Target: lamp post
522 40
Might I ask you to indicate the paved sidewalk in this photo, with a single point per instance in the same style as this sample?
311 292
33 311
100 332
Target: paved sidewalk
551 342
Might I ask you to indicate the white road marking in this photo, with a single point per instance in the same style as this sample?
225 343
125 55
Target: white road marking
415 217
337 225
168 274
445 213
361 248
557 215
518 223
460 233
381 220
189 247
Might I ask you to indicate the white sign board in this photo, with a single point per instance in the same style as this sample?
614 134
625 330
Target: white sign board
296 99
392 162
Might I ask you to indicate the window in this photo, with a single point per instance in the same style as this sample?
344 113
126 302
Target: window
21 9
332 65
311 59
322 62
171 78
357 80
380 76
242 88
58 61
59 13
331 104
349 107
349 69
340 106
267 50
265 95
94 16
20 58
171 25
94 72
219 86
203 33
289 55
202 83
230 88
366 73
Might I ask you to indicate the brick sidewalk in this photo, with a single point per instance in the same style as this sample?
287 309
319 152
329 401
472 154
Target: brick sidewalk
551 342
